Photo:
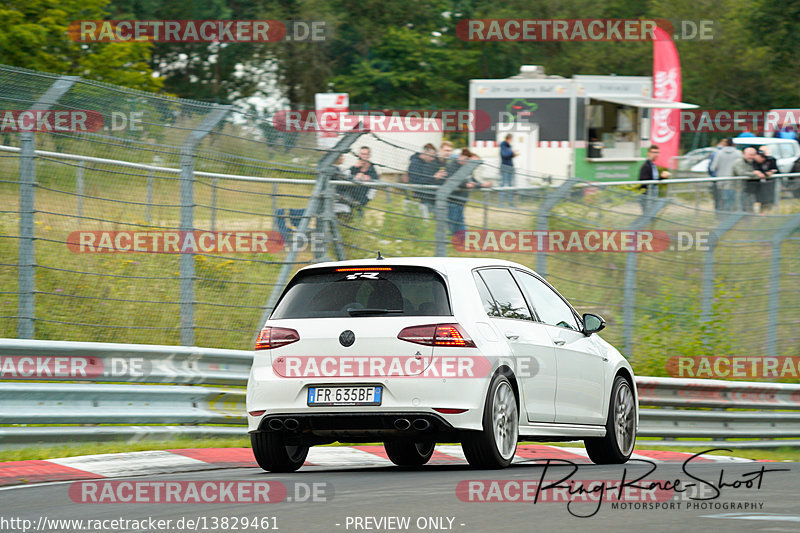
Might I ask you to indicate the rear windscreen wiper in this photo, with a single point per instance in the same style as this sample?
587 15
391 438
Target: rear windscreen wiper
369 311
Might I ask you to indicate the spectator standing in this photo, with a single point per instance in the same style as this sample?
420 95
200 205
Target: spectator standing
507 155
715 192
722 165
794 182
649 171
363 171
458 198
422 168
765 167
744 167
445 159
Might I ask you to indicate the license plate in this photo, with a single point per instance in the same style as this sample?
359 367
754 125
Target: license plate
361 395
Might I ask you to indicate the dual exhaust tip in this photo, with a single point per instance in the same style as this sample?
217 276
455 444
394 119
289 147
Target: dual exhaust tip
401 424
289 424
419 424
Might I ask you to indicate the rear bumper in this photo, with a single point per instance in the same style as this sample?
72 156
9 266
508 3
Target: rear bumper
359 426
406 397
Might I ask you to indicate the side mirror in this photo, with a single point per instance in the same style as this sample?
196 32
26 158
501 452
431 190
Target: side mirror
592 323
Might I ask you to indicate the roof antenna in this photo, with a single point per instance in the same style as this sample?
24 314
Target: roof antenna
380 257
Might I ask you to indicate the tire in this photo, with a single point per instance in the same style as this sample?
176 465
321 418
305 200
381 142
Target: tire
495 446
617 446
274 455
409 453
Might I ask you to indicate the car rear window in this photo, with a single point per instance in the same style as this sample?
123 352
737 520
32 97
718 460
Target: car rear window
357 292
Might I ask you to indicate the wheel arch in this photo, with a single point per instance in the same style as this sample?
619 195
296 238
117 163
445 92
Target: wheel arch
626 373
512 379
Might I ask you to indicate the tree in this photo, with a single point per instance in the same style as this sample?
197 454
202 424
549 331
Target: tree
33 34
199 71
409 68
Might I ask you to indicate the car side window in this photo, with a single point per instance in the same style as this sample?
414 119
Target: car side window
489 305
550 307
508 299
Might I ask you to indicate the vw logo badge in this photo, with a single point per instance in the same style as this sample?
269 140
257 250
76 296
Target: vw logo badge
347 338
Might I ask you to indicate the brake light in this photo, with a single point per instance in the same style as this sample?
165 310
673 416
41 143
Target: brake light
271 337
364 269
437 335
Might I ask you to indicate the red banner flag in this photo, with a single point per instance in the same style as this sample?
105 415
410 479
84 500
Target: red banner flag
664 130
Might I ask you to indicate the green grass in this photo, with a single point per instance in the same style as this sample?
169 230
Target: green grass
92 448
785 453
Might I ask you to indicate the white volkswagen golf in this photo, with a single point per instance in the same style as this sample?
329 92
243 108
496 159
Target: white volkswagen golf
415 351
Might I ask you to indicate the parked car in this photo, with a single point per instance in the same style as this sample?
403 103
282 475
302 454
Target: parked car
694 159
415 351
785 152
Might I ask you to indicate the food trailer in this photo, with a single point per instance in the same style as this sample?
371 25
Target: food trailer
593 127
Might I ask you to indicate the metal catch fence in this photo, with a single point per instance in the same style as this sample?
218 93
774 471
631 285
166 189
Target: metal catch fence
178 222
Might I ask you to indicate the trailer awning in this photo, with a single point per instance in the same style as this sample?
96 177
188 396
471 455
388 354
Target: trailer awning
644 102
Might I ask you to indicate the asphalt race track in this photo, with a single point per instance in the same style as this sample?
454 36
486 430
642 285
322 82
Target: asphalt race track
738 496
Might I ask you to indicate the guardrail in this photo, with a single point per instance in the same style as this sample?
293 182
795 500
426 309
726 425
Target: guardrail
764 414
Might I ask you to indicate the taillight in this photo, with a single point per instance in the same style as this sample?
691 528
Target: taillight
437 335
271 337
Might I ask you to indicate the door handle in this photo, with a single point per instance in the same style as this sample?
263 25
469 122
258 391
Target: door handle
511 336
559 342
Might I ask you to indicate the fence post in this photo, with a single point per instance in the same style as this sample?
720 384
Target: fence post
274 204
27 206
629 296
79 186
485 210
333 238
188 149
543 218
791 225
314 208
149 196
214 203
440 205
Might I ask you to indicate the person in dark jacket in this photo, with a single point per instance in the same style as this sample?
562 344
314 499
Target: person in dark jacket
422 169
793 183
765 166
507 155
362 171
649 171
